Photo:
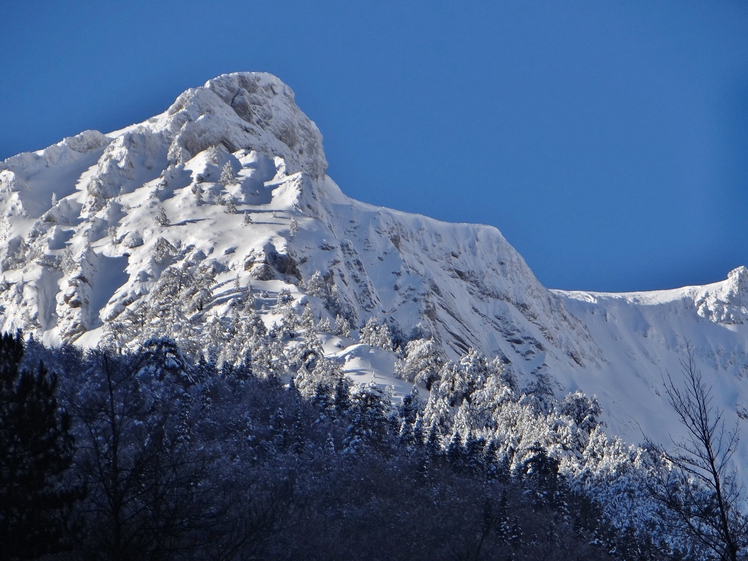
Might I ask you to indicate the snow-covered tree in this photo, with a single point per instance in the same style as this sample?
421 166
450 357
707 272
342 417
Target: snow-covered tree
307 322
198 192
284 297
320 376
585 412
165 310
198 293
437 414
112 233
368 420
164 251
212 154
342 393
539 394
409 414
376 334
323 326
317 286
342 326
422 363
228 202
228 176
161 218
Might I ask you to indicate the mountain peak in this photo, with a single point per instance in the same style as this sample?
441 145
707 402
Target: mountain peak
739 276
245 110
727 301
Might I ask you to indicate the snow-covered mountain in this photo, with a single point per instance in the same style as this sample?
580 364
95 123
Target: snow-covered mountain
228 187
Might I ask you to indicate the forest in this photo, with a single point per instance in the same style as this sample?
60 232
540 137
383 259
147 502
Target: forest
152 453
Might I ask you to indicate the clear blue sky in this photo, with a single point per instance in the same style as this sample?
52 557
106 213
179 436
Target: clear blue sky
608 141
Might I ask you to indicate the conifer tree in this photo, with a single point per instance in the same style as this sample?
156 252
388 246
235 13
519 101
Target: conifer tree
342 393
198 192
161 217
422 362
368 420
228 176
297 433
36 451
230 205
307 321
433 443
330 443
323 326
455 452
342 326
376 334
409 414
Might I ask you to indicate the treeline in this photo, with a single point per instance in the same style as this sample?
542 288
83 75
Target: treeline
150 455
145 456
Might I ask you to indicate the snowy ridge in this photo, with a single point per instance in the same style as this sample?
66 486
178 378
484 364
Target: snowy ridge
645 335
228 187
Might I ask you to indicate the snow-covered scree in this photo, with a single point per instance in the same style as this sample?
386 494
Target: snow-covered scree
204 217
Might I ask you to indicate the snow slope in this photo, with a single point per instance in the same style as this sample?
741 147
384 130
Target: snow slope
89 225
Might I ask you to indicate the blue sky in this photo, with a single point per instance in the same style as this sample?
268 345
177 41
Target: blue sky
608 141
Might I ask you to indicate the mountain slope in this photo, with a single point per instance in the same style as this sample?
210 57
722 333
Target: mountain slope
225 196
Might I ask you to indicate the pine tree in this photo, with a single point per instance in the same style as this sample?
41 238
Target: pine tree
317 286
409 414
474 456
455 452
322 400
342 394
323 326
376 334
228 176
422 363
418 435
161 217
342 326
541 472
198 192
368 420
330 443
297 432
36 451
282 436
433 443
230 205
307 321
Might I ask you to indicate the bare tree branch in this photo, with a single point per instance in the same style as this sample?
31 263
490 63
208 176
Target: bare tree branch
704 494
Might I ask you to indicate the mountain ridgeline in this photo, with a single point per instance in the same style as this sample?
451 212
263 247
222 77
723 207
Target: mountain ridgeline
214 225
